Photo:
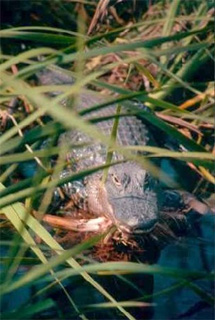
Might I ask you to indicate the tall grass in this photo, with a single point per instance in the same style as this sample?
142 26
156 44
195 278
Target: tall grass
182 109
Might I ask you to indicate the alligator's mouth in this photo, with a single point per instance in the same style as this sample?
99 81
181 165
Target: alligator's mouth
136 230
147 229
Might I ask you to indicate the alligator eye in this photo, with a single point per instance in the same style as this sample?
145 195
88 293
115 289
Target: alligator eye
116 180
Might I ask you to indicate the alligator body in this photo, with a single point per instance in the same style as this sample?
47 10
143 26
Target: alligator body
130 197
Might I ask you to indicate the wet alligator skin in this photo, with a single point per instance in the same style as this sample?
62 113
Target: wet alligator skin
130 195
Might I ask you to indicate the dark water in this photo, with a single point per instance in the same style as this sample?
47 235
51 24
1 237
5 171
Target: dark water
194 253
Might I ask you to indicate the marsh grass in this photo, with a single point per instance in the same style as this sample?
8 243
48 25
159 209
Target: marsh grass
182 109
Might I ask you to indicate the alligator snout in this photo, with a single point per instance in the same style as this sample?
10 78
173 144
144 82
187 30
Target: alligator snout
136 214
133 196
132 212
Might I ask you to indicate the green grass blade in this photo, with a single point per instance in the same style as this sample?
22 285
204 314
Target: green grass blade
30 310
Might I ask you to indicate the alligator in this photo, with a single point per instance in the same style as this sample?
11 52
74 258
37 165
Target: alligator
130 197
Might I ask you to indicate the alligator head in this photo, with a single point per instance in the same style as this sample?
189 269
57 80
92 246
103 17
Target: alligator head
129 197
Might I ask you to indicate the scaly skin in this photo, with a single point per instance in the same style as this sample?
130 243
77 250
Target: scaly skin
130 196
